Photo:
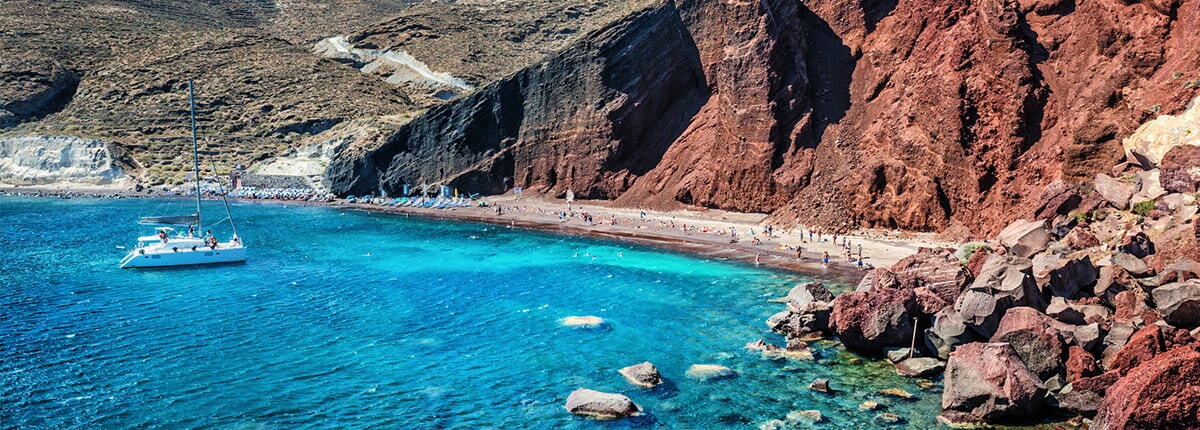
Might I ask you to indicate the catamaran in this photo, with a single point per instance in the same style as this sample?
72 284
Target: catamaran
167 247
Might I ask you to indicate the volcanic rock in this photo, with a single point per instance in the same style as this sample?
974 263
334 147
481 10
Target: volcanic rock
1116 338
1179 271
1032 336
1132 306
600 405
801 295
1076 313
1063 277
1142 346
989 382
1132 264
919 367
949 331
1160 393
643 374
872 320
934 268
1150 187
1116 192
1080 364
1025 238
1184 161
1139 245
1058 198
1179 303
1004 282
808 323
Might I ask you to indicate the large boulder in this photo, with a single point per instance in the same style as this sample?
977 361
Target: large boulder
1063 277
934 268
1004 282
1058 198
1183 160
1033 336
1179 303
948 332
1025 238
1163 393
1080 364
1116 338
600 405
801 295
1115 191
868 321
643 374
988 382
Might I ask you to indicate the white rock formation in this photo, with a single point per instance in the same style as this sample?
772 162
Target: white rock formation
1154 138
44 160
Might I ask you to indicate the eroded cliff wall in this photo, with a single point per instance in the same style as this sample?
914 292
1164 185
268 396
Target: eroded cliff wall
919 115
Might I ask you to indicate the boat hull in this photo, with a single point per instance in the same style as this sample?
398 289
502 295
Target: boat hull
185 257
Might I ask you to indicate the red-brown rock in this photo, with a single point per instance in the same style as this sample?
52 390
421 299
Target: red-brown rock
1142 346
1080 364
1163 393
937 269
868 321
1034 338
989 382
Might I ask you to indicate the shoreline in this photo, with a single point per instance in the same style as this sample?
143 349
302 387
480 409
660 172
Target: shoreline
708 235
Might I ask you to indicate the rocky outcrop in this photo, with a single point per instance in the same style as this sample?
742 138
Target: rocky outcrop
989 382
1158 394
43 160
35 85
1152 140
599 404
933 268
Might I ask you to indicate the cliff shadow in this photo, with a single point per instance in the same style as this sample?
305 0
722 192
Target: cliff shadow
830 70
657 66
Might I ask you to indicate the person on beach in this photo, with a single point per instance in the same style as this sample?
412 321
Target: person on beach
825 258
799 253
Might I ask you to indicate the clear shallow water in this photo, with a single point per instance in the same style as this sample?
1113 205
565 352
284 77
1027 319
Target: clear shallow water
349 319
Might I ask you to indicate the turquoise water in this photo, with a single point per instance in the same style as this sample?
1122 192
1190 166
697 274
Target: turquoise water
353 320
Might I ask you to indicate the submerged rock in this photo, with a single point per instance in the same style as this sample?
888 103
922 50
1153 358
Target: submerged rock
584 322
794 350
919 367
709 372
643 374
599 404
811 416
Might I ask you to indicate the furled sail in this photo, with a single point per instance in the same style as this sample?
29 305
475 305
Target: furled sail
171 220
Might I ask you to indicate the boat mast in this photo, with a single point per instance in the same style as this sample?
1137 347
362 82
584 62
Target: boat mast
195 157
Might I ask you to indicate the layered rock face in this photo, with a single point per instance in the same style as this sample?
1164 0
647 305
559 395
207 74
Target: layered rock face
672 104
914 115
36 161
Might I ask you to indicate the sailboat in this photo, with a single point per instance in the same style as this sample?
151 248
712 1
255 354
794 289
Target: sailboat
168 247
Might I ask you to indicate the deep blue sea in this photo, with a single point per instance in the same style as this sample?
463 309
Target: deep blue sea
348 319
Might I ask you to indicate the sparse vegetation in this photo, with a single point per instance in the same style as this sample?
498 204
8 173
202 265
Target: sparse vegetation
969 249
1143 208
